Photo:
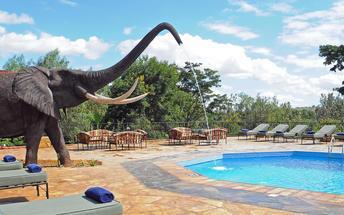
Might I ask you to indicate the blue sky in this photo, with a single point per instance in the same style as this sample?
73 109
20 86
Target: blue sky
259 47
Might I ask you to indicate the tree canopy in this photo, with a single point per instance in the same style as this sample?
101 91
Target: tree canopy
334 55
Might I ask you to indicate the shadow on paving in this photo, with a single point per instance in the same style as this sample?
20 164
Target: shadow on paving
154 177
11 200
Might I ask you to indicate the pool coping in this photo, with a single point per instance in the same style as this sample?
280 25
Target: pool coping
260 154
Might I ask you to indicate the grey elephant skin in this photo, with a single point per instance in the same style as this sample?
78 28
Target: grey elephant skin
30 99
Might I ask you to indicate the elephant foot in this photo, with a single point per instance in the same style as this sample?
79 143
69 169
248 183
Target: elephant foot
67 163
65 159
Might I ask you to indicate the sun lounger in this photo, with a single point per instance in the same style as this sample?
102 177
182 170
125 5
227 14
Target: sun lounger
253 132
22 178
324 133
295 133
339 136
275 132
10 165
75 204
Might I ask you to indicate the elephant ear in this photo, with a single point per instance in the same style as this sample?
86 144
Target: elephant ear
31 86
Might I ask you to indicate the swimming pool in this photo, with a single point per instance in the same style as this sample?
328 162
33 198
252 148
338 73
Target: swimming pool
314 171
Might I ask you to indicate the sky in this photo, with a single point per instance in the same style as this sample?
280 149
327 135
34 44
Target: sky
269 47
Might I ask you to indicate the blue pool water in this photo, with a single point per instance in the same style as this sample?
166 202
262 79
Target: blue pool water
298 170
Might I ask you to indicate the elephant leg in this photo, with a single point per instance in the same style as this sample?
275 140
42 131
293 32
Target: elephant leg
32 138
54 132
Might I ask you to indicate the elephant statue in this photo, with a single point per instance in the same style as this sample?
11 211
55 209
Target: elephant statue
30 99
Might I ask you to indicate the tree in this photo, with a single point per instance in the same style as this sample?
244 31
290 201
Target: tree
334 55
16 63
207 80
159 79
53 60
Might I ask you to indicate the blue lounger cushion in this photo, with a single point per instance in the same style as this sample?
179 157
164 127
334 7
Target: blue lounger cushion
245 130
340 133
34 168
99 194
279 132
9 158
310 132
262 132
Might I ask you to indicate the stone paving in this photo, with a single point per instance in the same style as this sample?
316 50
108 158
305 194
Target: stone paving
149 181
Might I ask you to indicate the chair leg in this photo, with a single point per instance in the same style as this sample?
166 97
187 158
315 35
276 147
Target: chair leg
37 189
47 190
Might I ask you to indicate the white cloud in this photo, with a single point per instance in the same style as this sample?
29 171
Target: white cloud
230 29
246 7
69 3
128 30
12 18
328 81
12 43
281 97
259 50
308 62
2 30
282 7
233 62
315 28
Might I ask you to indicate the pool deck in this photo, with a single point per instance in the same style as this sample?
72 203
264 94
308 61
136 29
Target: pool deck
151 181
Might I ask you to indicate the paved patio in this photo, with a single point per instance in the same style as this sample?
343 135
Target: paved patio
149 181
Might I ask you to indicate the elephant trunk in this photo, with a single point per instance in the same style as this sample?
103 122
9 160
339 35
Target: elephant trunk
99 79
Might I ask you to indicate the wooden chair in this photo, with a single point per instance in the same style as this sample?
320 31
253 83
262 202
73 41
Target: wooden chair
129 139
97 138
216 134
145 136
180 134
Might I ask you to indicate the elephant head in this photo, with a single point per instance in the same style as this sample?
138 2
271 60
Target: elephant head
50 90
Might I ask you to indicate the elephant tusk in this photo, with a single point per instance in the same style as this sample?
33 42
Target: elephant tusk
125 95
118 100
105 100
131 100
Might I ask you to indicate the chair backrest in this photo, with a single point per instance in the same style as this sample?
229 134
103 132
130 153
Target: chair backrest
100 133
127 137
298 129
144 133
327 129
180 132
216 133
261 127
83 137
280 127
